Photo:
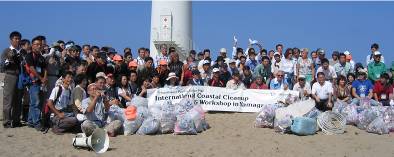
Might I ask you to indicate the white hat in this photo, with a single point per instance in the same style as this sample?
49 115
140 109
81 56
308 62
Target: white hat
223 50
276 53
232 61
301 76
377 53
101 74
171 75
363 71
346 53
206 62
215 70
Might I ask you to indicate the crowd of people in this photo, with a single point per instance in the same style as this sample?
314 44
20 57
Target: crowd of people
67 80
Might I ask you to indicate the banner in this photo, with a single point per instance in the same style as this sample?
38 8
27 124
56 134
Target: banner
219 99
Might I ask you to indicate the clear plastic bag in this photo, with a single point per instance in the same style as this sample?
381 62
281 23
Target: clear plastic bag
365 118
130 127
184 106
185 125
115 113
378 126
351 114
168 118
314 113
265 119
339 106
283 125
388 118
198 116
138 101
150 126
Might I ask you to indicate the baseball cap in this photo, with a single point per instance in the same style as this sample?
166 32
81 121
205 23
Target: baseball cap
276 53
117 58
101 74
223 50
346 53
206 62
133 64
215 70
162 62
232 61
377 53
301 77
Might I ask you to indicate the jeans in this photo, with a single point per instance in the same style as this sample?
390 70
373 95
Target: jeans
35 105
372 102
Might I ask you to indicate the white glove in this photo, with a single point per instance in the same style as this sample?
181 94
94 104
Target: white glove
235 39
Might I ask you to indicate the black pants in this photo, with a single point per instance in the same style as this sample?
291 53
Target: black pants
322 105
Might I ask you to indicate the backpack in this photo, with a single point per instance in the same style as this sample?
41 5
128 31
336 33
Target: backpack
46 114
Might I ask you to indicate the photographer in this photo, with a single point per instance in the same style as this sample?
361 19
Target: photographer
96 107
10 65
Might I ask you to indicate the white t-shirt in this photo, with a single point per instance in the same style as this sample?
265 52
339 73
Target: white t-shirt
64 99
322 91
329 73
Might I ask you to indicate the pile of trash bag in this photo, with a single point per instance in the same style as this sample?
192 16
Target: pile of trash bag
183 118
361 113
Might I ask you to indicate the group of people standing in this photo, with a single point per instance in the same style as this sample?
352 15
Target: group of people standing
77 85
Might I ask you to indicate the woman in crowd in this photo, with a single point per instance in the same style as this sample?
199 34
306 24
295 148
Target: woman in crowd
341 90
350 78
258 83
124 91
288 66
305 66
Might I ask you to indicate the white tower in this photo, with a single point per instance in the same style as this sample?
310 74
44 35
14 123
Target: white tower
171 24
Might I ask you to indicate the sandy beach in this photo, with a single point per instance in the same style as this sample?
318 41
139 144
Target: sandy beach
232 134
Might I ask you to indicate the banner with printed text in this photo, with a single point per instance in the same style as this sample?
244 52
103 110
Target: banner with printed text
219 99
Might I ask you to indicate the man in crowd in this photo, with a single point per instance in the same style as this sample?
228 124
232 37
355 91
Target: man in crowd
236 82
322 93
60 104
279 82
329 71
95 108
36 67
10 65
370 58
335 57
303 87
163 55
342 67
376 68
196 81
141 56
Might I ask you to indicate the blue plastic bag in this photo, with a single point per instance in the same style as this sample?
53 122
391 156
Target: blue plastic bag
304 126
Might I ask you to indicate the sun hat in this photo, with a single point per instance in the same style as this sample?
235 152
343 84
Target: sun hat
171 75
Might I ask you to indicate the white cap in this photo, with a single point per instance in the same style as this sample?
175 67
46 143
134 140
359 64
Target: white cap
171 75
223 50
363 71
346 53
215 70
206 62
301 76
377 53
276 53
232 61
101 74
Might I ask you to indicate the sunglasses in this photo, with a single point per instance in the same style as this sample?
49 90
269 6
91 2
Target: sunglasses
280 75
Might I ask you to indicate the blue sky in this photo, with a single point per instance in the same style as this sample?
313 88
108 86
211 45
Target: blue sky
352 26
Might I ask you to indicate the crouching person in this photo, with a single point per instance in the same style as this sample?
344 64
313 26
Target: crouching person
60 104
95 108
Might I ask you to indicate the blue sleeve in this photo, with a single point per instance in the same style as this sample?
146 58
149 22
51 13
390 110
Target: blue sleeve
272 84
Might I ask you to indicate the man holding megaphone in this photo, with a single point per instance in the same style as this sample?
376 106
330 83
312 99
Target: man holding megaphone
96 107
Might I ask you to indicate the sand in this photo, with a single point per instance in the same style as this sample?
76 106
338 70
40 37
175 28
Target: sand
232 134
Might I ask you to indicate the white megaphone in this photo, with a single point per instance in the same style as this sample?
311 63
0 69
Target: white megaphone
98 141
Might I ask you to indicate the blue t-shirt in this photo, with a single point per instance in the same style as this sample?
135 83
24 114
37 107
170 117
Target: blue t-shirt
276 85
362 87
